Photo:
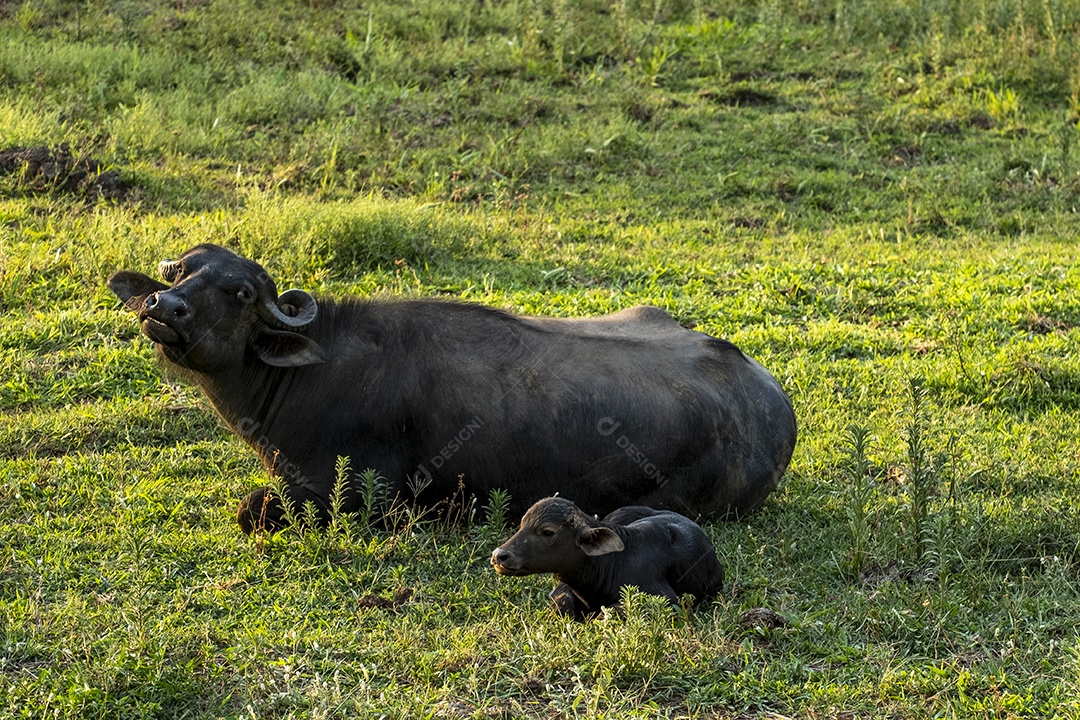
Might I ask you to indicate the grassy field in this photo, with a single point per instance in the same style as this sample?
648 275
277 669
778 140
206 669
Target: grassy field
878 200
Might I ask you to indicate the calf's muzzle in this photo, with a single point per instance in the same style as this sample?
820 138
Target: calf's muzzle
502 561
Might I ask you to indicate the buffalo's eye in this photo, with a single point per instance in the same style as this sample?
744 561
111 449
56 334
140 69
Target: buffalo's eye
246 294
547 532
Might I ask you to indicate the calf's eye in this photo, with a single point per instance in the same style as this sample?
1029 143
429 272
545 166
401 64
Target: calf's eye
547 533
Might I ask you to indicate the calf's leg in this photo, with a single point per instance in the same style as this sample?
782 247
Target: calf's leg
566 603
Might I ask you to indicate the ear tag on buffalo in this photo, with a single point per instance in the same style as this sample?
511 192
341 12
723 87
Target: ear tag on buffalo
600 541
282 348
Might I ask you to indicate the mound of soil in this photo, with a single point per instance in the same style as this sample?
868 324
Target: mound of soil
376 601
763 618
59 170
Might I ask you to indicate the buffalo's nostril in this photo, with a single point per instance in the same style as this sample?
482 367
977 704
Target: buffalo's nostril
499 557
164 306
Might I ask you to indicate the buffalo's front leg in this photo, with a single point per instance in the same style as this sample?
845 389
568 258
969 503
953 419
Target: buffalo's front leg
263 510
566 603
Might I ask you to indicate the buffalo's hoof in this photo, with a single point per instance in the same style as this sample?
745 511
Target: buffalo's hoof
260 511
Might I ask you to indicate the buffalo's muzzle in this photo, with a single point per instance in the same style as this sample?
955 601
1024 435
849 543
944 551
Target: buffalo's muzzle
161 314
501 560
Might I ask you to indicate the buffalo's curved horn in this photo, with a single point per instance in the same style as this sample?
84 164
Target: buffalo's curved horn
293 309
170 269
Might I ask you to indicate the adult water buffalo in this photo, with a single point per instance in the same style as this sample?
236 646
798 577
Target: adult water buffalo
624 409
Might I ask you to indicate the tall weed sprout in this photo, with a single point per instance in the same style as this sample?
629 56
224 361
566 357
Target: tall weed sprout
859 494
497 509
340 493
929 533
635 640
373 496
919 476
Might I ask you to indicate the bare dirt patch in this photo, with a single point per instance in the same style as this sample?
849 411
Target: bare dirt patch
762 618
1037 324
739 97
377 601
42 170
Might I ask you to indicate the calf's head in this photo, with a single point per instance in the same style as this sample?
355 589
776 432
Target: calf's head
218 307
555 537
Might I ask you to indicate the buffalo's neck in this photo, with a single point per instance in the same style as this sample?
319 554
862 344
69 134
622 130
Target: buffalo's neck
593 583
250 400
596 579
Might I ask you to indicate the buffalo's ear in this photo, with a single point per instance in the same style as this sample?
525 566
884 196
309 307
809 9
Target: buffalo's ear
599 541
133 288
282 348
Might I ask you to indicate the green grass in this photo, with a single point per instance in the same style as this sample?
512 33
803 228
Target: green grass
867 197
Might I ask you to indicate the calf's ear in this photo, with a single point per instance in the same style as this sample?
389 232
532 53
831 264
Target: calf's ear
599 541
133 288
282 348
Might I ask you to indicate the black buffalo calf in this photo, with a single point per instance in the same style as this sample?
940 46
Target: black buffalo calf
659 552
